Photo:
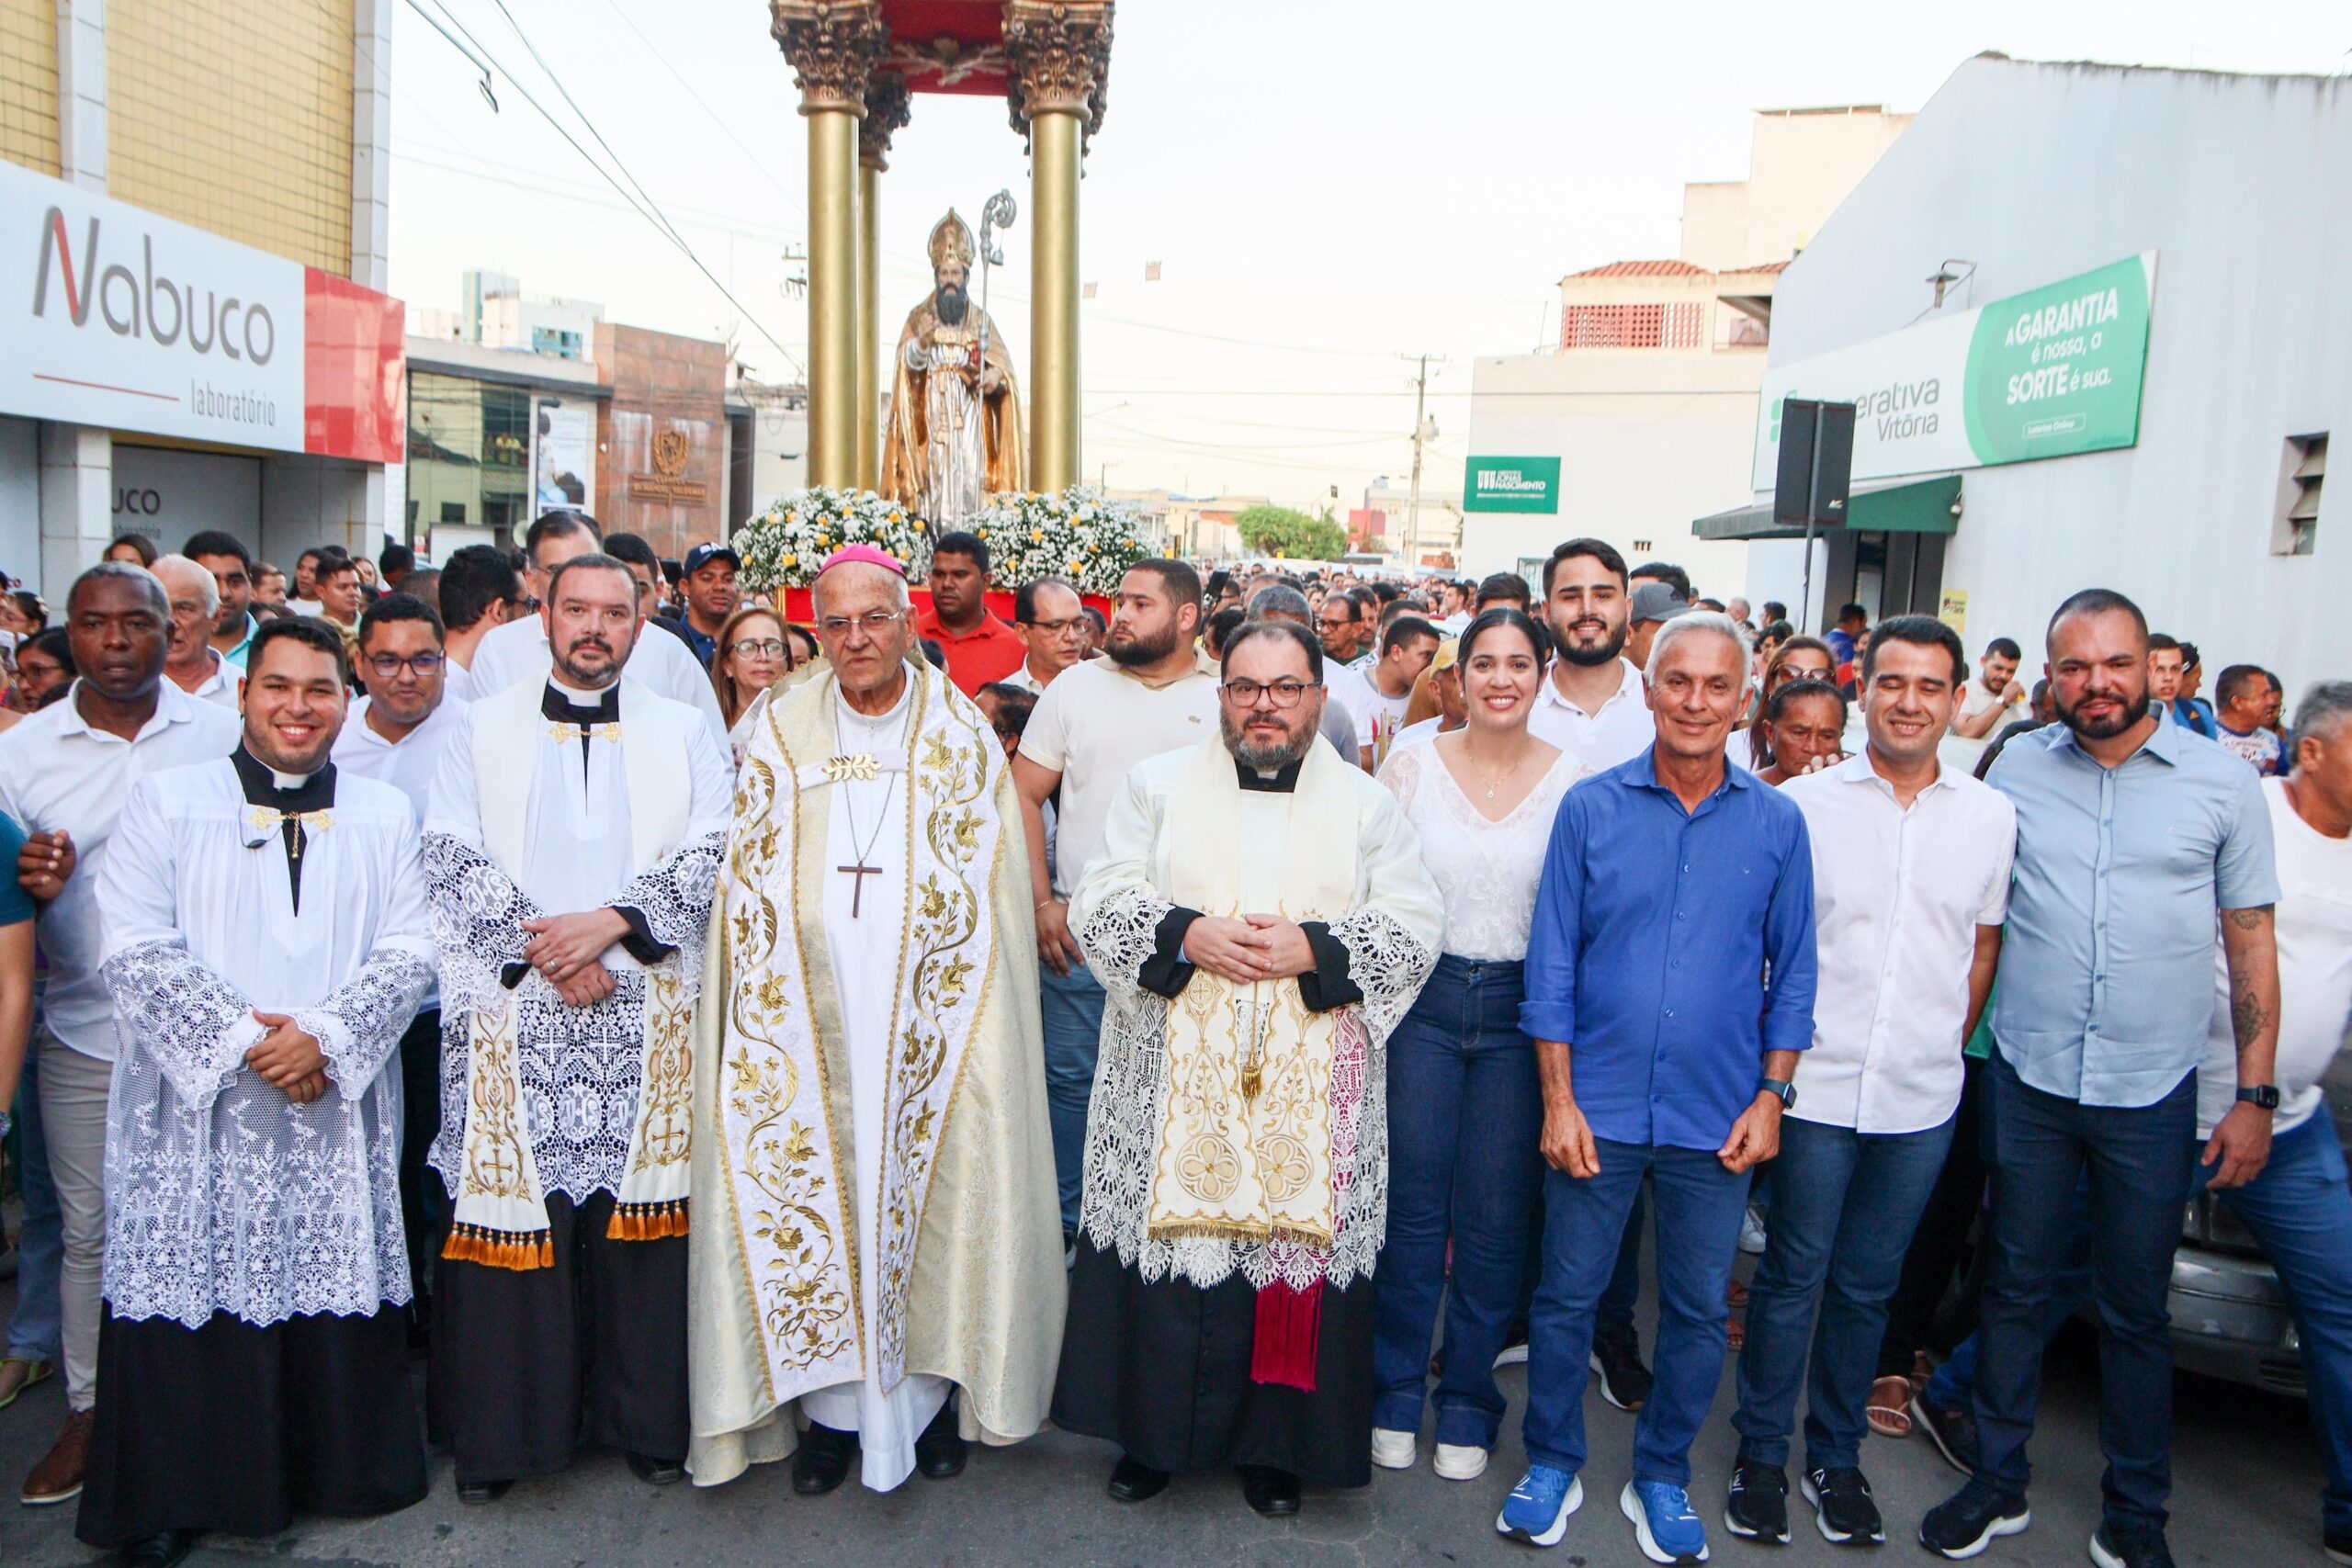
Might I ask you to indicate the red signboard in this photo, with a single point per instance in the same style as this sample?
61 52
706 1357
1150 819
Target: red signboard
354 365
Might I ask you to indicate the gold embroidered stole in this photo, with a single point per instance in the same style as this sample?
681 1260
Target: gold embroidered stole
1245 1140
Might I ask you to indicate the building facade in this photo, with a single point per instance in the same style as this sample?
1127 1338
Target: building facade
193 225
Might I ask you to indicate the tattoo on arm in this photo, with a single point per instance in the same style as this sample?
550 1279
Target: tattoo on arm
2248 1016
2252 919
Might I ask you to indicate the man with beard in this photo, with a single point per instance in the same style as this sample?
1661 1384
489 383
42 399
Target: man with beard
1261 916
1096 721
955 435
267 941
1338 724
571 856
2134 837
1986 704
1593 706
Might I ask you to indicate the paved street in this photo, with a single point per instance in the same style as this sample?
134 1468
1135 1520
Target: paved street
2247 1494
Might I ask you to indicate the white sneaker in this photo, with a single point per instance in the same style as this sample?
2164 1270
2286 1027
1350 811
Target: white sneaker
1459 1461
1751 1232
1393 1451
1511 1356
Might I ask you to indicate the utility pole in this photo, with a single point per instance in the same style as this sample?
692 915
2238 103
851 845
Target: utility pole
1421 433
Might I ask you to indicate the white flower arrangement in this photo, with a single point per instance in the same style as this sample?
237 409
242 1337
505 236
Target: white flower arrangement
784 547
1076 535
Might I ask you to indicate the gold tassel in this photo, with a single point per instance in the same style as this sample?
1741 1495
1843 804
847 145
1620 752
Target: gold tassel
647 1221
520 1251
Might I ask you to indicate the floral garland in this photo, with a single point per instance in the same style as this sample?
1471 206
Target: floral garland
784 547
1076 535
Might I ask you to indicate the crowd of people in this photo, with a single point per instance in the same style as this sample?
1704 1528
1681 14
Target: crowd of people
727 1039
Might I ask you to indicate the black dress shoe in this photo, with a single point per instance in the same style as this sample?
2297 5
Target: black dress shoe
656 1472
1131 1481
939 1452
822 1463
1273 1492
482 1491
159 1551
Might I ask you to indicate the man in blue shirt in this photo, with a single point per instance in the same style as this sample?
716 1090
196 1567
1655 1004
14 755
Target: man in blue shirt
1670 987
2132 833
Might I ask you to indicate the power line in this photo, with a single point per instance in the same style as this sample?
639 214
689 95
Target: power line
689 86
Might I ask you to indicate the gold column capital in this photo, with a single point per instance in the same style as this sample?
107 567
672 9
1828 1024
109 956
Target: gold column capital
834 46
888 107
1059 53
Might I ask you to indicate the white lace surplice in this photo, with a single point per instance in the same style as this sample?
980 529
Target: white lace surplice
1487 872
1391 933
223 1195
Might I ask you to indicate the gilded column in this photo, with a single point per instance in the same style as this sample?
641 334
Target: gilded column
834 46
1060 55
888 108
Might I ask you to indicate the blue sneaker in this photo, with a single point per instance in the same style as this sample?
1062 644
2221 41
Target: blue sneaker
1538 1508
1663 1526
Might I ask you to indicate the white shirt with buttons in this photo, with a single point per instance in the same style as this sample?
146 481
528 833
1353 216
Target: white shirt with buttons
1617 731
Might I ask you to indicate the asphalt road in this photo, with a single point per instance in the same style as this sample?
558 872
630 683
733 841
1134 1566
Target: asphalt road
2247 1494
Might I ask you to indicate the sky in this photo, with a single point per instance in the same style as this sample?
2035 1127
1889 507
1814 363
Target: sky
1330 191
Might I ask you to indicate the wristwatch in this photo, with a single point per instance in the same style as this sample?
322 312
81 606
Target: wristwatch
2265 1095
1780 1089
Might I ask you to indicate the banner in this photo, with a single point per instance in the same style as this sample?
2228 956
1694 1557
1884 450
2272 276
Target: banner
2048 373
563 461
114 317
1511 484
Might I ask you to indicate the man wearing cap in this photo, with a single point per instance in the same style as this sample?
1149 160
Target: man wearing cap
870 1100
708 582
1654 605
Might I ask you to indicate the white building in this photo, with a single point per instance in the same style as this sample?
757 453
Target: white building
2089 216
1646 406
497 313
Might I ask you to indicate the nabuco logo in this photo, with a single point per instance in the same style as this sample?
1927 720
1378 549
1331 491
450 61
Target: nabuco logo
135 304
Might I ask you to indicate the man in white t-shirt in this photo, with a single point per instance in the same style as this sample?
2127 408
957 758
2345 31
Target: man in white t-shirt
1986 704
1378 696
2249 698
1092 724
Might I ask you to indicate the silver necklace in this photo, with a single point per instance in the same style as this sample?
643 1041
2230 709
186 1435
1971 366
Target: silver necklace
861 866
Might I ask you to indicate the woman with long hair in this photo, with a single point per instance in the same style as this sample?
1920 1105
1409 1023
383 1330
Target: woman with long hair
753 654
1466 1108
1797 659
1807 723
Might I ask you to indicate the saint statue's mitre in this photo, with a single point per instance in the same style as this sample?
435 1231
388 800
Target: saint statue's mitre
952 243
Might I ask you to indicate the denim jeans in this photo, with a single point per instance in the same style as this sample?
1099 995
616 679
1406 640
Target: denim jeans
2140 1159
1070 1008
1466 1120
37 1328
1698 1205
1624 1291
1844 1205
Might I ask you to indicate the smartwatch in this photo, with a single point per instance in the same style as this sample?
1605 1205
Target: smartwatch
1783 1090
2265 1095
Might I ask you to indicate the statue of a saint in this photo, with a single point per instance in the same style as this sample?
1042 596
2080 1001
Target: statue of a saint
955 435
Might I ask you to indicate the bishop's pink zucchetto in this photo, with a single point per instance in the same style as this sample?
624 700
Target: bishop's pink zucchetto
865 555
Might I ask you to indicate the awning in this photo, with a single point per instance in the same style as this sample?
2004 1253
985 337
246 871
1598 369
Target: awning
1911 506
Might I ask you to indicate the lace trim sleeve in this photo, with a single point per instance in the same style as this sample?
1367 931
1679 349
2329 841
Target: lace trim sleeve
360 1025
477 914
183 1016
674 894
1123 935
1387 963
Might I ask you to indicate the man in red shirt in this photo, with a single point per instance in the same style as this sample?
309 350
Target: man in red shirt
978 647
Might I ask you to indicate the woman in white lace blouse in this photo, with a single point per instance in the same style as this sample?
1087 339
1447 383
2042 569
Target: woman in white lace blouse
1465 1106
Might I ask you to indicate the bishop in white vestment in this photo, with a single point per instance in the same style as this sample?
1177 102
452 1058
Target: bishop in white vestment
1260 920
571 855
267 941
871 1142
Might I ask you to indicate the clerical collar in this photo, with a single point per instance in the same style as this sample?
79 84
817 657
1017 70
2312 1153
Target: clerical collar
290 793
1282 780
564 705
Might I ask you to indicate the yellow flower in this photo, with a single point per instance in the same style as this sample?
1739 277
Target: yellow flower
792 560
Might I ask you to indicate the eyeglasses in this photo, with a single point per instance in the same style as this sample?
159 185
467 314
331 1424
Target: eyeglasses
1285 693
529 605
771 646
873 623
388 665
1056 628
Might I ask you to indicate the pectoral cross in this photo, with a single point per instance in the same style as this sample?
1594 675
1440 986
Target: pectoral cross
858 887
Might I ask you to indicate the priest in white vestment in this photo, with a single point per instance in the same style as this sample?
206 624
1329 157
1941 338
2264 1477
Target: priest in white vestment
1261 919
871 1144
570 855
267 941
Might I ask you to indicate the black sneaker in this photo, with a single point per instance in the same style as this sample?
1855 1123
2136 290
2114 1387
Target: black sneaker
1966 1523
1952 1429
1617 1360
2129 1546
1758 1508
1843 1510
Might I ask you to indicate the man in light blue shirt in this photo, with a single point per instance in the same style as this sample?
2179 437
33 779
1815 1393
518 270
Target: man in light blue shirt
2132 835
231 566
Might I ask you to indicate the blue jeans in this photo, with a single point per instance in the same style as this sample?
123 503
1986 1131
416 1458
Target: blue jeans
1844 1207
37 1328
1466 1120
1070 1008
1698 1205
2140 1159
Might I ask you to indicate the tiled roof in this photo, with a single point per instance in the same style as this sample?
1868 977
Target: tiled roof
1642 269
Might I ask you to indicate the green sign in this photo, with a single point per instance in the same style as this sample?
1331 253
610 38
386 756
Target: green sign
1511 484
2056 371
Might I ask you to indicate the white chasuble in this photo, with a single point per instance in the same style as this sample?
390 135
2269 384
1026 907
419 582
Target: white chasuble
872 1141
